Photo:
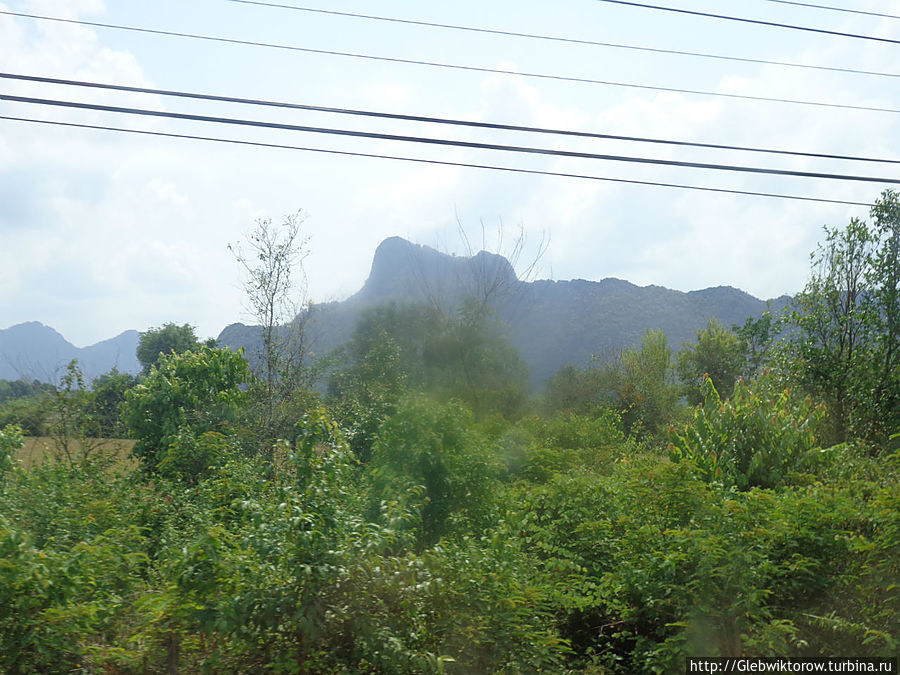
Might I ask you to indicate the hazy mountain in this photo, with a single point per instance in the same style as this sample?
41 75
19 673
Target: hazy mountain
551 323
35 351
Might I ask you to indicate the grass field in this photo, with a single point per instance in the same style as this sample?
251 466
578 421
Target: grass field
39 449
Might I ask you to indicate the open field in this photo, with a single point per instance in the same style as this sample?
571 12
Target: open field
38 449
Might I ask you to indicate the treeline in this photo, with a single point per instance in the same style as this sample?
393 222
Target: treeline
424 513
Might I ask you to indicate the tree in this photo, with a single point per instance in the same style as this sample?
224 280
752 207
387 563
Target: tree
469 358
72 425
575 390
108 393
275 254
718 354
846 347
367 390
169 338
184 396
427 452
643 383
758 336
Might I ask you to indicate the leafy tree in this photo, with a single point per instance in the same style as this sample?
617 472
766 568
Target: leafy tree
183 397
72 424
108 395
169 338
428 452
846 347
470 359
32 413
641 386
367 392
463 356
573 389
11 390
758 336
719 354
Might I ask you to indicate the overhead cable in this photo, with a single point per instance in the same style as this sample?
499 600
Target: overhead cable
445 141
517 170
835 9
557 38
453 66
773 24
434 120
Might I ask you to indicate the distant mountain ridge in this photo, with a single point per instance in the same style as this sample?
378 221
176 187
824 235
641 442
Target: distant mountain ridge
551 323
34 351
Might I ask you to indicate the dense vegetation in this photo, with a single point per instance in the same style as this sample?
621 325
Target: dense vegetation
424 513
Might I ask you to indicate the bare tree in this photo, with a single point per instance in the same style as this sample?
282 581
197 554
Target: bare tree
272 257
485 279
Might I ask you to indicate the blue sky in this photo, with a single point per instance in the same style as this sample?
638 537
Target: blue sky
102 232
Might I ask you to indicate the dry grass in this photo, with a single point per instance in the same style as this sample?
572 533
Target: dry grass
39 449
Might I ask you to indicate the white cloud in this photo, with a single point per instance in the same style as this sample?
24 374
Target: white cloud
102 232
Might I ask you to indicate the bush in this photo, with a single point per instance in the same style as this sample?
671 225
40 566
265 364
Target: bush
755 439
196 391
427 451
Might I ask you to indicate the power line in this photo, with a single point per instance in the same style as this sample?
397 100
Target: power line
835 9
452 66
556 38
444 141
758 22
435 161
434 120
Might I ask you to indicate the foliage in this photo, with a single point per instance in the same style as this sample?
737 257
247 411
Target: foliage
758 438
185 394
577 390
394 349
366 393
169 338
638 384
719 354
72 426
846 347
570 442
469 541
10 441
428 453
642 384
469 358
32 413
108 394
11 390
758 336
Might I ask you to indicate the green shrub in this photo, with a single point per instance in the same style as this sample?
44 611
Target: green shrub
196 391
11 441
755 439
428 451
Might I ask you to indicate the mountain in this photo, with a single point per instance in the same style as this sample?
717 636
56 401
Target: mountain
35 351
551 323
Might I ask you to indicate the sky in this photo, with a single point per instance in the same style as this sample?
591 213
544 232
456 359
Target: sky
101 231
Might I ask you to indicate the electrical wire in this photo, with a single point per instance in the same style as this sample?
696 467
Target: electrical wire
556 38
773 24
452 66
517 170
835 9
433 120
444 141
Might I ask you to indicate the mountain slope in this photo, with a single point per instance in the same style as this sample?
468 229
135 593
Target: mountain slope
35 351
551 323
